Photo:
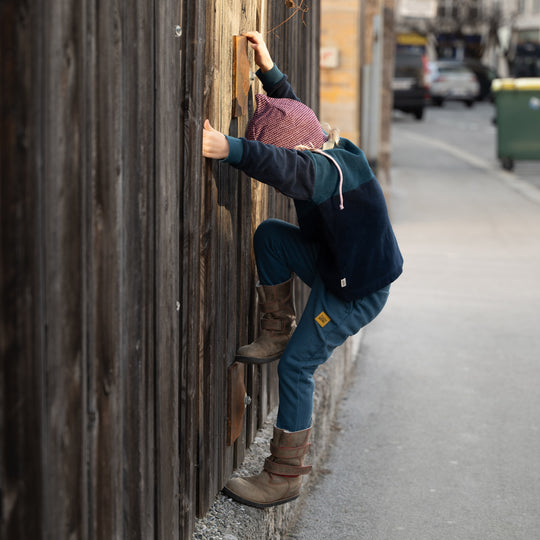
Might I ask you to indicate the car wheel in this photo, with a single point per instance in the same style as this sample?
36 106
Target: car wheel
438 101
469 103
507 163
419 113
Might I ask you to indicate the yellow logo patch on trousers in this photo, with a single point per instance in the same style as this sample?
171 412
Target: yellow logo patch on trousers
323 319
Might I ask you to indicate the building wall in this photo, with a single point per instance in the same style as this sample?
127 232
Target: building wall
340 85
389 46
528 17
356 90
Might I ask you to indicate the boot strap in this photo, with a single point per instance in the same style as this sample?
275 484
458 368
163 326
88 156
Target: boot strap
274 324
287 453
285 470
272 307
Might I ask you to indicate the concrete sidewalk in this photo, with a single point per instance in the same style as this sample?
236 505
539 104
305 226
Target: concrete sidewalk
439 436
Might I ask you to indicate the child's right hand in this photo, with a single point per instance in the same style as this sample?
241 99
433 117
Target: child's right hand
262 56
215 144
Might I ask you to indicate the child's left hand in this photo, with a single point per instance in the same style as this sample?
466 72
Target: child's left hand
215 144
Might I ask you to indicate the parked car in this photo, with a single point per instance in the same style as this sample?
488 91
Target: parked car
452 80
485 75
410 85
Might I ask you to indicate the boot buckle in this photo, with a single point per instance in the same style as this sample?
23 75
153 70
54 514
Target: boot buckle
277 325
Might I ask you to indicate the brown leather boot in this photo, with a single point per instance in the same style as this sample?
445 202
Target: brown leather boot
280 480
277 323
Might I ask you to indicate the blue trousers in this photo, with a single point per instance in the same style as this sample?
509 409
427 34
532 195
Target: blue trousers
281 250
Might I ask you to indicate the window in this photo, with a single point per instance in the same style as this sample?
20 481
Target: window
474 10
447 8
474 13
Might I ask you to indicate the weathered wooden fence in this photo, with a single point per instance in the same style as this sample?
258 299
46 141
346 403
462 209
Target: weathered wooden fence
126 275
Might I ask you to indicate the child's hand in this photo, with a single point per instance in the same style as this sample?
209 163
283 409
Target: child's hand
214 144
262 56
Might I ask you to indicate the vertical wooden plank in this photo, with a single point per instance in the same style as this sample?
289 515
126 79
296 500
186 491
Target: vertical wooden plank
209 368
229 295
196 245
64 418
88 166
251 214
137 342
250 19
90 158
223 293
21 343
106 259
168 266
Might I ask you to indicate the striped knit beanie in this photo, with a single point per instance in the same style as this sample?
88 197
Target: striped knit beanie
287 123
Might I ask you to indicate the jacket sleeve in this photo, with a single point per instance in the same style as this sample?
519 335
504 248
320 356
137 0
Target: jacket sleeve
276 84
290 171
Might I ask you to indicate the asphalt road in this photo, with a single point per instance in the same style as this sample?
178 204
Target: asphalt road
438 436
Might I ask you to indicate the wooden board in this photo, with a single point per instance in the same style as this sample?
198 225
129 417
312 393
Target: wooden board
241 74
236 402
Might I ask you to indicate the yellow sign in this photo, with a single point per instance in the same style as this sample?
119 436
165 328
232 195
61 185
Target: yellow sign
411 39
323 319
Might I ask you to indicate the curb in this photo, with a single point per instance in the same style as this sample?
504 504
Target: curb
229 520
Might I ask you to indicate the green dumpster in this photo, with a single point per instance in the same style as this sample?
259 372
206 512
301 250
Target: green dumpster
517 105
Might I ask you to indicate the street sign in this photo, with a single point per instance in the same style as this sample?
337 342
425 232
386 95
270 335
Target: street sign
420 9
329 57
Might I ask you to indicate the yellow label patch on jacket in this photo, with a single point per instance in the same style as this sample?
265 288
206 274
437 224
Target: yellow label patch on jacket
323 319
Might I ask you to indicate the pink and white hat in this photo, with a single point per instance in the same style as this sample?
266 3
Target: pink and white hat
283 122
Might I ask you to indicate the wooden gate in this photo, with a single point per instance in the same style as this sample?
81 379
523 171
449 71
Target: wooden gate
127 276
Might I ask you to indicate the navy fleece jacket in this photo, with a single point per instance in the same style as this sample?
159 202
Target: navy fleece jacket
358 253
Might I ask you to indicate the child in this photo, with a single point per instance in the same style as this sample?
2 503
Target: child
344 249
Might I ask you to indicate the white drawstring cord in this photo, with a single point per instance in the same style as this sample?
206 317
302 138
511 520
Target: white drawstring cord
319 151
